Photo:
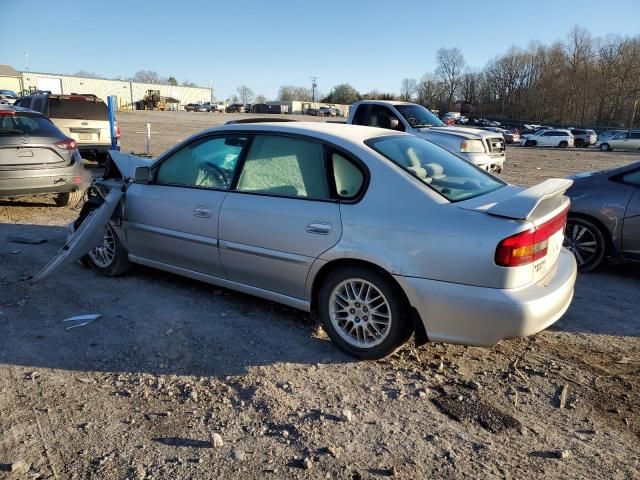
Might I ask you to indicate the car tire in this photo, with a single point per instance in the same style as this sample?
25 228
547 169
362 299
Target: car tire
110 258
605 147
342 312
68 199
579 143
563 144
529 143
586 241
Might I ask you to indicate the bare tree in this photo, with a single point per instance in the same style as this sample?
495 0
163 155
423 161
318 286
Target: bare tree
451 64
408 89
187 83
429 90
146 76
292 93
245 94
261 99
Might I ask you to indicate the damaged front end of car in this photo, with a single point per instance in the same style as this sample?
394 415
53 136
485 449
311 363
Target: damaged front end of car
103 206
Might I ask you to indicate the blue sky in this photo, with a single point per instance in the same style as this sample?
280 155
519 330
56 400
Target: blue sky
264 44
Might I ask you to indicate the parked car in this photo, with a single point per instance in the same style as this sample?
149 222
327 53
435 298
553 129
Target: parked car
311 111
332 217
84 118
583 137
326 112
548 138
462 120
235 108
8 97
484 149
604 136
604 219
628 140
509 137
191 107
37 158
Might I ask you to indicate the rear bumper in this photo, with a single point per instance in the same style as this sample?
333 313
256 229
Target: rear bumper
95 148
469 315
36 182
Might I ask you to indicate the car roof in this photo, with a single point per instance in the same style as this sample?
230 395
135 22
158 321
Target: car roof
327 131
387 102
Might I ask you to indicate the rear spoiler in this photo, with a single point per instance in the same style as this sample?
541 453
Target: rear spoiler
522 204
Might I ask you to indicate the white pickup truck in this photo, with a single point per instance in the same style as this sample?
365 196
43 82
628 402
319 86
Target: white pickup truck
482 148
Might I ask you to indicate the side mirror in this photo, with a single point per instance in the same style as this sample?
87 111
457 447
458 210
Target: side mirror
393 123
142 175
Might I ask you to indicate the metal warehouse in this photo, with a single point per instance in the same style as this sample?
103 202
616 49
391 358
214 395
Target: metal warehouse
127 93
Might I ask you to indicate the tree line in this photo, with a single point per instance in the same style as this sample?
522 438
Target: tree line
583 80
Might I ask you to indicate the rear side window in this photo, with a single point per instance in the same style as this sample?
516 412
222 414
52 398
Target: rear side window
348 178
38 104
449 175
284 166
360 115
632 178
77 108
24 124
635 134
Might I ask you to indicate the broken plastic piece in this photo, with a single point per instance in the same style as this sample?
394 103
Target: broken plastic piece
85 319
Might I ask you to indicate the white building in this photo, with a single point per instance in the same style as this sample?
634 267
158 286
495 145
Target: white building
127 93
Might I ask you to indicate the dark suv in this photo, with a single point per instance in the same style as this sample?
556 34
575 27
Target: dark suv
84 118
583 138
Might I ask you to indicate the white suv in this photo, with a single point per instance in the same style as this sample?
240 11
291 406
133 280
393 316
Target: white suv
549 138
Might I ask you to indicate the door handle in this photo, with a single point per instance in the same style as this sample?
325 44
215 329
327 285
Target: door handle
319 228
202 212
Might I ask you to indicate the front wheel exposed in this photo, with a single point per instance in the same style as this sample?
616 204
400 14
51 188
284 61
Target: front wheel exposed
586 241
109 258
605 147
364 312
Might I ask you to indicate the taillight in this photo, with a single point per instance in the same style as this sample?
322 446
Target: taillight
67 144
117 131
531 245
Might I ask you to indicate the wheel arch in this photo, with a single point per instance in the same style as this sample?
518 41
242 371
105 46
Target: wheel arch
610 247
419 330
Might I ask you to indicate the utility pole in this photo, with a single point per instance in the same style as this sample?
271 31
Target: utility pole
314 85
26 61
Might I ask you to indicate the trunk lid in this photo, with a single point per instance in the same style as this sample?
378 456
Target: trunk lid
85 132
26 150
539 208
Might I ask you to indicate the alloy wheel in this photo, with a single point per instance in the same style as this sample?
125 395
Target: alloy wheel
582 242
103 254
360 313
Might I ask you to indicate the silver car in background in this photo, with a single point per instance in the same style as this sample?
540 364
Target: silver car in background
383 233
36 158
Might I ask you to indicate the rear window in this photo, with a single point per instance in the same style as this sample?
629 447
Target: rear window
451 176
26 124
77 108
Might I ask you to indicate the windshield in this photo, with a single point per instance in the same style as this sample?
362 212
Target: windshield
418 116
451 176
10 93
77 108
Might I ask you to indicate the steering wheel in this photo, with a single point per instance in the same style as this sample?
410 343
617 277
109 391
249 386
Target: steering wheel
221 175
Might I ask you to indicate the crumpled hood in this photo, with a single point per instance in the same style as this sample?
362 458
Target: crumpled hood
127 163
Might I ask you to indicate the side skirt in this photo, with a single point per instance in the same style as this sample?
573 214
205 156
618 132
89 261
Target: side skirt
221 282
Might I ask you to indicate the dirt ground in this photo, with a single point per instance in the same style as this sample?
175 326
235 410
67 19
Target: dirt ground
140 392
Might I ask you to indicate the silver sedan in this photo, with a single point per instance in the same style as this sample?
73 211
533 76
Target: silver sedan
384 234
